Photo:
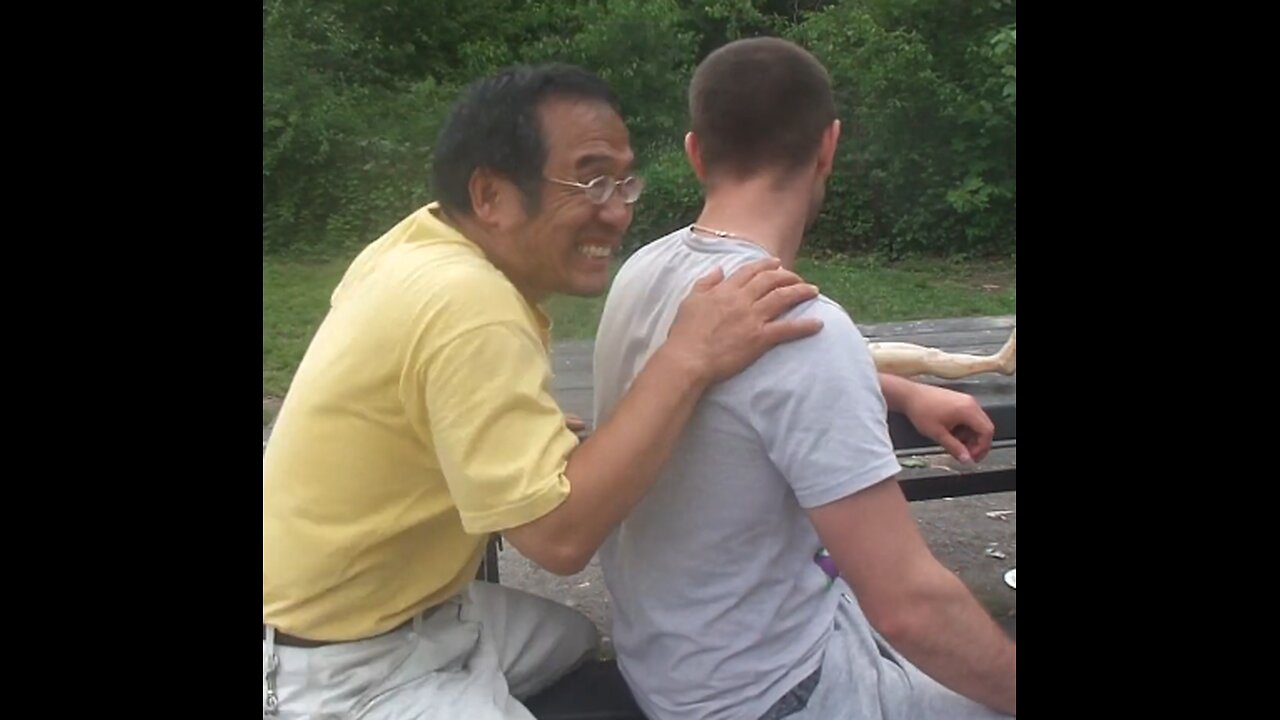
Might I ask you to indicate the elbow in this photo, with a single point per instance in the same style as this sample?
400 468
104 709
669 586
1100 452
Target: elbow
907 614
565 560
900 615
898 624
554 543
559 558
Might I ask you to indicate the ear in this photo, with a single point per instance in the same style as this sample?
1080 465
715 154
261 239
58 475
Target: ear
827 149
693 151
495 200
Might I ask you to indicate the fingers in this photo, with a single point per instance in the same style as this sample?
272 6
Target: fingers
710 280
978 419
783 299
780 331
978 444
981 431
770 280
980 447
748 272
952 445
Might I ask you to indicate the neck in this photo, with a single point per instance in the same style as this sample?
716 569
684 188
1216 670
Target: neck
495 251
757 211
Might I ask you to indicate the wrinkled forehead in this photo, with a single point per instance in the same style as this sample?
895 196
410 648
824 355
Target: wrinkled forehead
584 136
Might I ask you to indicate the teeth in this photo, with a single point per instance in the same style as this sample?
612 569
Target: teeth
595 251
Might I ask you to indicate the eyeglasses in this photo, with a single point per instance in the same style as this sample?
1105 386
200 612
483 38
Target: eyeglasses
600 189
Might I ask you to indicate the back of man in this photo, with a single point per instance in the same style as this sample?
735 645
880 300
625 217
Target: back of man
719 609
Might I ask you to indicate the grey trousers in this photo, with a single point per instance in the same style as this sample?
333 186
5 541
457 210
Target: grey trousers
473 657
863 678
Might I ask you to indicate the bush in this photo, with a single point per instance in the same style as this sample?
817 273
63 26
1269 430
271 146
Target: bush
353 92
927 161
672 198
342 155
642 49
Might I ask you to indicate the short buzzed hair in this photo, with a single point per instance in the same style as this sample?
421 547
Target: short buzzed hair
757 104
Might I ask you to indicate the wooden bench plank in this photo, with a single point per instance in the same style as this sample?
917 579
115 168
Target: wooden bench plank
943 476
890 330
971 341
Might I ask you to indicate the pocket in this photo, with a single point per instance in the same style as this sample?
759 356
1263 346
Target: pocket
443 645
796 699
447 640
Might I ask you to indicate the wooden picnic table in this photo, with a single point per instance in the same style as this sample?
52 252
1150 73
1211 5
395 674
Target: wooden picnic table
928 472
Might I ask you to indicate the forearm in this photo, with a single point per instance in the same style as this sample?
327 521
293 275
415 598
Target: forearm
897 391
943 630
611 470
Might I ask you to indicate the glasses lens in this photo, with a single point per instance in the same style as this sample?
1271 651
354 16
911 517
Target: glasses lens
599 190
631 189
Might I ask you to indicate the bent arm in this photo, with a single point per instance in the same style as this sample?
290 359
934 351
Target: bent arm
514 466
719 329
611 470
918 605
953 419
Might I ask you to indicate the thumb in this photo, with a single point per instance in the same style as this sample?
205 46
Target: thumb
952 445
710 280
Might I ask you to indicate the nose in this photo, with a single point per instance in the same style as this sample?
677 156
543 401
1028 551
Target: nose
616 213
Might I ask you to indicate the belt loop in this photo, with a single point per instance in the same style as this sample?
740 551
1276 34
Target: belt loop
270 663
417 623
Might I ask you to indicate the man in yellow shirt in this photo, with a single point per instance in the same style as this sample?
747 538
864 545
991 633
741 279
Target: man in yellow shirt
421 419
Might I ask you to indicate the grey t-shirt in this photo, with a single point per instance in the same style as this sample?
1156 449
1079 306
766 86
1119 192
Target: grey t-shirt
718 606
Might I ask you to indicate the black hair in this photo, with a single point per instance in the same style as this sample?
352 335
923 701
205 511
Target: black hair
494 125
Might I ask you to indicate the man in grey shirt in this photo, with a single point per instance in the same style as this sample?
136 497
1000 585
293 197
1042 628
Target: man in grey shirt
720 610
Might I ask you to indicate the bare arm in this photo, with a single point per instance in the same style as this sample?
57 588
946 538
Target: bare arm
923 610
610 471
953 419
720 329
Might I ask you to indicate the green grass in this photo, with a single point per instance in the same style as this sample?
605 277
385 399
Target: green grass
870 290
874 292
575 318
295 295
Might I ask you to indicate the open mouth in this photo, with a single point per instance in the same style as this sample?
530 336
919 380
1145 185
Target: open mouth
596 251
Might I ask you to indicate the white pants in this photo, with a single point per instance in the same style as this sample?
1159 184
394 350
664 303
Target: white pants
474 657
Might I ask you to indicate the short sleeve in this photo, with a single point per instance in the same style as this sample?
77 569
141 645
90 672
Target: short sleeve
821 413
500 436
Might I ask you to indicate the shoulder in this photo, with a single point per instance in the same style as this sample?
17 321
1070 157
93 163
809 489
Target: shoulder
640 265
446 302
833 361
838 329
457 290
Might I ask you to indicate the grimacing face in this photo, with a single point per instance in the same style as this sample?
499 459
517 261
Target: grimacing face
565 247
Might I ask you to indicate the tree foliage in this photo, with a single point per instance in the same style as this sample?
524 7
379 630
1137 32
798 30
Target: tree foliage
353 93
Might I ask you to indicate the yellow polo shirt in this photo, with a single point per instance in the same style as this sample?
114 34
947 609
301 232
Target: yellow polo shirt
420 420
